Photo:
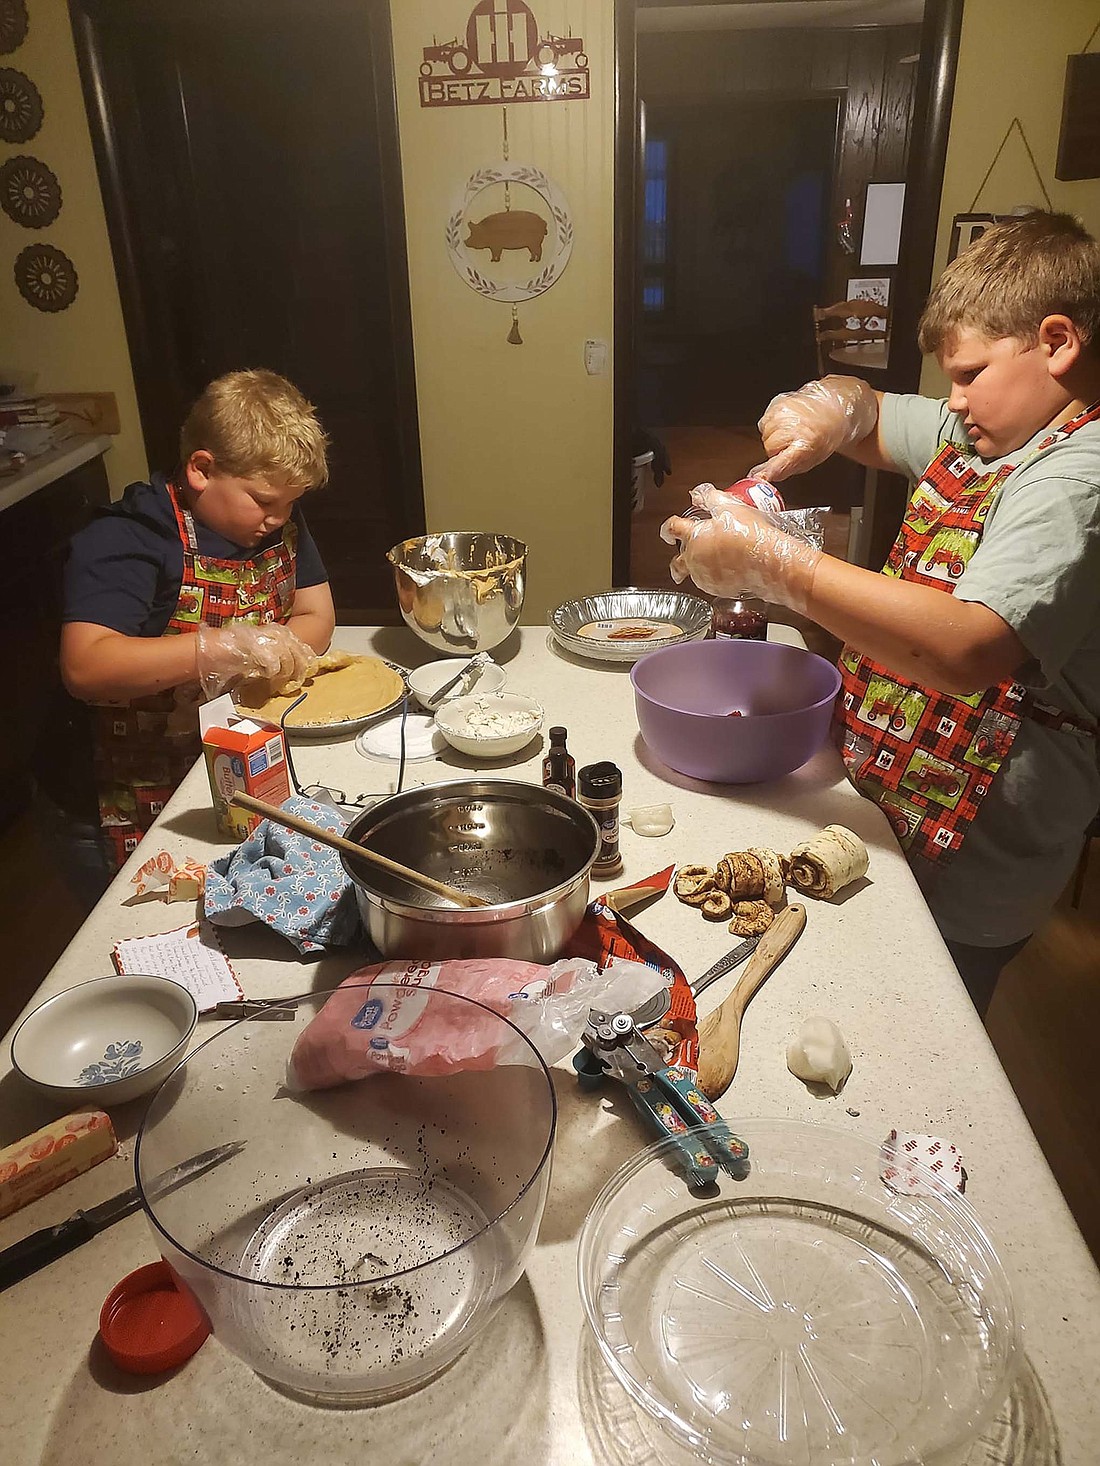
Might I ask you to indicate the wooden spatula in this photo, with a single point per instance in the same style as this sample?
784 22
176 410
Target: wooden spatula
357 852
720 1031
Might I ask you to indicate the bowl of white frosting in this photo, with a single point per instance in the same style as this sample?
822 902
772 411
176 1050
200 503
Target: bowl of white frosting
490 725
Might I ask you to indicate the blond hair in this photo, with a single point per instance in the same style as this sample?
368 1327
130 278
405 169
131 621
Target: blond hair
1012 277
256 424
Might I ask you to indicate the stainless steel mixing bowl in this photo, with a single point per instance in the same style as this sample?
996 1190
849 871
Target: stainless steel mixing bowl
460 591
525 849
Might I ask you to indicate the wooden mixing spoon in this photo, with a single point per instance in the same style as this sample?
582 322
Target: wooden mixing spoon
720 1031
356 852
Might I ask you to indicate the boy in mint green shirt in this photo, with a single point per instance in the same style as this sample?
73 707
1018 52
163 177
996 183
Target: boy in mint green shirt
969 716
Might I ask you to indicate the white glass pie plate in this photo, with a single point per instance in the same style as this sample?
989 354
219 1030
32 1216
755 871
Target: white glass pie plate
622 625
805 1315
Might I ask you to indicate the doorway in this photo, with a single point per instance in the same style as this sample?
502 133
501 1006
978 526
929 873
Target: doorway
858 93
247 151
732 253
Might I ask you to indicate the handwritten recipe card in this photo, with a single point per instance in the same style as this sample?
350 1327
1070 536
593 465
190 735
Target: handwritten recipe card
190 955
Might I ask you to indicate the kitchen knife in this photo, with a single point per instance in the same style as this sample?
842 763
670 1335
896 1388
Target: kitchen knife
23 1258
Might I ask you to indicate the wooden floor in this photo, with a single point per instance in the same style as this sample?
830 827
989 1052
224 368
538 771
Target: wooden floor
1046 1011
1044 1016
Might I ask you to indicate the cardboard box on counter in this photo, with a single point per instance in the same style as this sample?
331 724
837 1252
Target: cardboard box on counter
242 754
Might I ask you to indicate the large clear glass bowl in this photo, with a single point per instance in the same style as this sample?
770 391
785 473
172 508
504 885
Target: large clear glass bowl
804 1314
363 1235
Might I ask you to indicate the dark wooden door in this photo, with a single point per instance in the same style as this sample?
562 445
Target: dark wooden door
248 152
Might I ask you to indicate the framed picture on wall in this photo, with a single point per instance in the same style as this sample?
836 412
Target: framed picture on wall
966 228
882 211
876 290
1079 139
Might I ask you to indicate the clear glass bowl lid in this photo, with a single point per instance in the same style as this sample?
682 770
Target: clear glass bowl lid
803 1315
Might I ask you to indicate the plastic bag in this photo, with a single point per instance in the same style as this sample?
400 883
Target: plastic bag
399 1029
804 524
730 548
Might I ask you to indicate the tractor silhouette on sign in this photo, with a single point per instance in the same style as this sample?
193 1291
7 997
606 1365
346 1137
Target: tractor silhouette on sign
450 53
551 49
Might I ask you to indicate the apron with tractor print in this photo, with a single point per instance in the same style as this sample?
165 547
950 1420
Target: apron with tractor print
144 747
928 758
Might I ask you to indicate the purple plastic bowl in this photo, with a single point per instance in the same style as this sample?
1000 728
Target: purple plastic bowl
683 696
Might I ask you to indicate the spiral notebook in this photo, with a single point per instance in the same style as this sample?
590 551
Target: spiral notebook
190 955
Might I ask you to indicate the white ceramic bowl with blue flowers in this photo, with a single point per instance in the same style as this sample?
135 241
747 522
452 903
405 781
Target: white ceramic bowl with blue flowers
106 1041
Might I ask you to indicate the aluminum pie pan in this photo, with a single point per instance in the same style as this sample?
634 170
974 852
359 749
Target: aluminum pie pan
598 626
346 726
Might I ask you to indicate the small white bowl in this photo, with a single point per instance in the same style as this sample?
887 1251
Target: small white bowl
106 1041
467 723
425 681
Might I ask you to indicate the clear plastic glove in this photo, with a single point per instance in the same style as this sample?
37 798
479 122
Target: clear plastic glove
740 550
801 429
228 654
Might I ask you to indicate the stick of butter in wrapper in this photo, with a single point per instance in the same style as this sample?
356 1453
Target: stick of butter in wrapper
178 880
53 1155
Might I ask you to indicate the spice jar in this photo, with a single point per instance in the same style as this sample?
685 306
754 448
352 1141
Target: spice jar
743 618
600 789
559 771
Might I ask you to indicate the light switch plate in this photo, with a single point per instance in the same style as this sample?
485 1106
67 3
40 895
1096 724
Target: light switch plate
595 358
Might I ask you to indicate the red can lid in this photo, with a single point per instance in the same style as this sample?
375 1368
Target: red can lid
150 1321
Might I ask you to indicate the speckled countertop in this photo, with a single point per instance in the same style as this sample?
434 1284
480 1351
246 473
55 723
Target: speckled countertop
533 1388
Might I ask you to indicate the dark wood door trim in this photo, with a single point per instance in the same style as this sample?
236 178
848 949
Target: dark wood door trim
934 89
397 263
627 199
139 331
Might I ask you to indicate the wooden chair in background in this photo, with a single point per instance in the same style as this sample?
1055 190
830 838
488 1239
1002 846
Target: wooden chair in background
862 344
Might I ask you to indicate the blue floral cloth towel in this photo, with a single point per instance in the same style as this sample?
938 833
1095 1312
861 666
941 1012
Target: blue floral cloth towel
294 884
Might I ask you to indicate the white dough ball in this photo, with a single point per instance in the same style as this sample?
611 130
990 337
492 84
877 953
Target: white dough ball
819 1055
651 819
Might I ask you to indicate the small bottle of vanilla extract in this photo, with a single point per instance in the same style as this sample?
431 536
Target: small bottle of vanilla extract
559 770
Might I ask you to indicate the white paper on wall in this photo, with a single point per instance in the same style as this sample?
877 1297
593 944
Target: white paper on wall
882 223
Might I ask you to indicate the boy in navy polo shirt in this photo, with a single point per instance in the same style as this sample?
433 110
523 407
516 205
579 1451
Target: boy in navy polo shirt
192 582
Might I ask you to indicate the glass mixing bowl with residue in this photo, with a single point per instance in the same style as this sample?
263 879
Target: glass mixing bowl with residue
363 1235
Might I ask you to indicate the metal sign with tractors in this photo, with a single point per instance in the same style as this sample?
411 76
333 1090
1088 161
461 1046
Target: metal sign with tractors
503 56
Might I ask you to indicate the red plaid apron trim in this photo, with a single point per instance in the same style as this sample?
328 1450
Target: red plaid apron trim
927 758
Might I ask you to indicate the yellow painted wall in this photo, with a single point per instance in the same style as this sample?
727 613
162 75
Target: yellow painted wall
516 439
1012 63
83 348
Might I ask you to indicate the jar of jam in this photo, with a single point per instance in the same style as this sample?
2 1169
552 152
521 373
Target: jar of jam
743 618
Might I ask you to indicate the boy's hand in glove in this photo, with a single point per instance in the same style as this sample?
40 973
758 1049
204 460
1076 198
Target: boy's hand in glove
802 429
740 550
227 655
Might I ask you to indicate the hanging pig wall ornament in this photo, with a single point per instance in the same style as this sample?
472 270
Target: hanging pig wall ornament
510 229
511 235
